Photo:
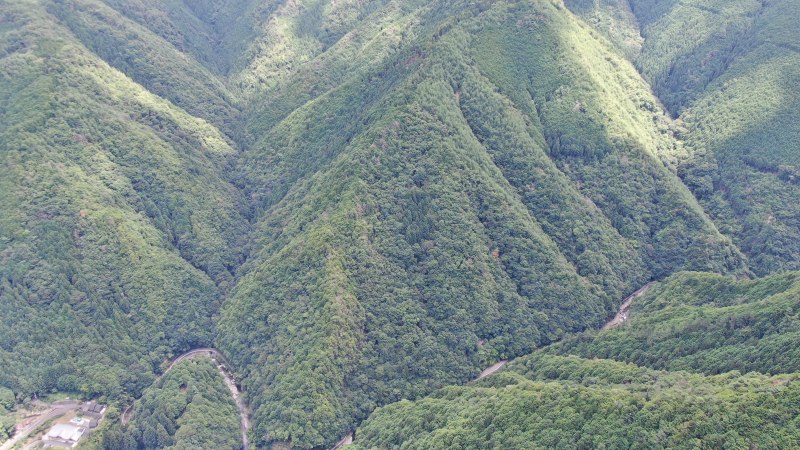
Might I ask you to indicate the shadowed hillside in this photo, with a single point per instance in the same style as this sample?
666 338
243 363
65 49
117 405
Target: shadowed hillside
727 70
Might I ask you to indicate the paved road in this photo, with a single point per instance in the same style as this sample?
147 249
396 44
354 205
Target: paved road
59 409
347 440
622 315
208 352
492 369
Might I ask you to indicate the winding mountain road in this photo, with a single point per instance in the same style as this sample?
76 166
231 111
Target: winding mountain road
216 355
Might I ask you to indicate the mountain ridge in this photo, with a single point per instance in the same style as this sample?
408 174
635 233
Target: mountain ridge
358 202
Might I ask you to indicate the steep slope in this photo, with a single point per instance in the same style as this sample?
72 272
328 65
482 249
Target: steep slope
116 222
433 186
545 401
615 20
213 32
150 60
728 71
495 182
747 173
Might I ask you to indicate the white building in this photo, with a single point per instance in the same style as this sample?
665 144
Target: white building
65 434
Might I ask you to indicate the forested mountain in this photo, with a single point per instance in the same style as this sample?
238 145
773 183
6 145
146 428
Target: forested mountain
431 215
706 323
119 230
189 408
728 71
363 201
545 401
563 396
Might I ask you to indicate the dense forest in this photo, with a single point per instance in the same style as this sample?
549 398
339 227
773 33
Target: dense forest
631 386
112 257
364 201
727 71
555 402
7 406
472 214
706 323
189 408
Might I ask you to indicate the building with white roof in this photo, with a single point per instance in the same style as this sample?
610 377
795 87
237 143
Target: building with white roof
64 433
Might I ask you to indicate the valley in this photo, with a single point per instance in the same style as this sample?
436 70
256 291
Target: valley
365 205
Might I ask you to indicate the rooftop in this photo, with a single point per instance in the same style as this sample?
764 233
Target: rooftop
65 432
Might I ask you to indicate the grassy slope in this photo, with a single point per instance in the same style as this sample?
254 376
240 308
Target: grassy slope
112 204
